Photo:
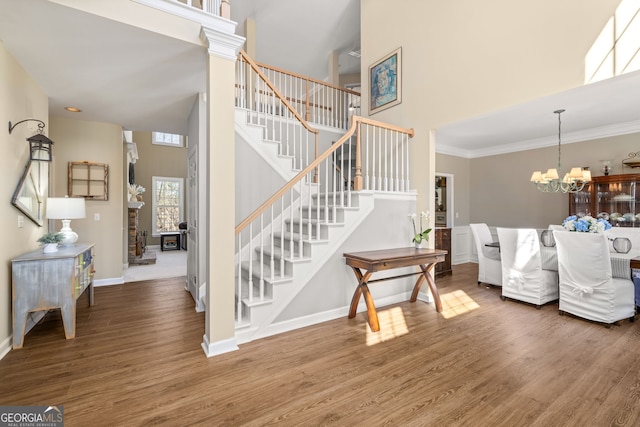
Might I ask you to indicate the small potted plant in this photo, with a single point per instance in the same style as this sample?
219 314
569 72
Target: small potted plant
50 242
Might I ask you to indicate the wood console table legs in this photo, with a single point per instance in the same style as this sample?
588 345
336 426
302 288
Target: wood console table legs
363 289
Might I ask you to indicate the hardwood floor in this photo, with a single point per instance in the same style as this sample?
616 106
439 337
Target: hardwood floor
136 360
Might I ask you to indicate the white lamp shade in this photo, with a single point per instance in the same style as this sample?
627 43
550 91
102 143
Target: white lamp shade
576 173
65 208
536 176
551 174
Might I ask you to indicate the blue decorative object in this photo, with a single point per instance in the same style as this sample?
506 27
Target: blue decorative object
586 224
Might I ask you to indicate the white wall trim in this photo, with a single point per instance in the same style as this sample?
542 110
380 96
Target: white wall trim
6 346
218 347
191 13
462 247
221 44
108 282
341 312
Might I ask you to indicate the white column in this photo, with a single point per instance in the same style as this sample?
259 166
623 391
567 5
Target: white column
334 70
219 334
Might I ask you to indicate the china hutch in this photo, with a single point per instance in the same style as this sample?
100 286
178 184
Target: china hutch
614 197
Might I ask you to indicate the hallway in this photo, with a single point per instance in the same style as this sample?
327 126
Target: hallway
168 264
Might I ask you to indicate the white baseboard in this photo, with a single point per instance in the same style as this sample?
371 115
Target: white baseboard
218 347
109 282
6 346
336 313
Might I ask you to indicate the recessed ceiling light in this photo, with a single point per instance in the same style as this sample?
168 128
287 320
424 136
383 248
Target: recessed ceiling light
73 109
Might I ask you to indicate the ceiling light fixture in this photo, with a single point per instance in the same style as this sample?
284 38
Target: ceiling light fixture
550 182
73 109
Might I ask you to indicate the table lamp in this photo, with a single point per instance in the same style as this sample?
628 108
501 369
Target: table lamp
66 208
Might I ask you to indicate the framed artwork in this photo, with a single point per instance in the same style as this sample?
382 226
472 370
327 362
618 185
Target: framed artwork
88 180
385 82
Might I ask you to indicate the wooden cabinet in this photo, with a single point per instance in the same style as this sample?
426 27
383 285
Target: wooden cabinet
617 196
47 281
443 241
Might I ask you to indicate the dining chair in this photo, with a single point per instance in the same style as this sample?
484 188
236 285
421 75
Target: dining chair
587 286
523 278
489 267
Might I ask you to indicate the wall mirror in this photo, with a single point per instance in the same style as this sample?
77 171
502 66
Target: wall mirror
29 195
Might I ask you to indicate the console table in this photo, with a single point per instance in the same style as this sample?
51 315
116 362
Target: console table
387 259
53 280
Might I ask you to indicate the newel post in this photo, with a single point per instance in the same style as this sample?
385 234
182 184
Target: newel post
357 179
225 9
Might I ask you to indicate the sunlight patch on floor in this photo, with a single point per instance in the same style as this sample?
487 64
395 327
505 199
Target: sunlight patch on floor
392 325
456 303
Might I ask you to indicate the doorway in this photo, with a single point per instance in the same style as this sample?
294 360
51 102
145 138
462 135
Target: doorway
444 214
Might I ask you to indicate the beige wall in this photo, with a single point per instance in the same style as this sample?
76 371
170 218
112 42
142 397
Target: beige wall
20 98
501 194
77 140
156 160
466 58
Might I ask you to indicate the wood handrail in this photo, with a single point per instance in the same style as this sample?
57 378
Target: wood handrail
257 69
311 79
356 121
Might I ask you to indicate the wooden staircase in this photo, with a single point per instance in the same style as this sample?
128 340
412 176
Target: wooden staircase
299 248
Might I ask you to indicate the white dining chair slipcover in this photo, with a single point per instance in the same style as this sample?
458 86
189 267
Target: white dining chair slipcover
489 267
523 278
587 287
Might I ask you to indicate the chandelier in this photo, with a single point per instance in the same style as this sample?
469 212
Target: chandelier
550 182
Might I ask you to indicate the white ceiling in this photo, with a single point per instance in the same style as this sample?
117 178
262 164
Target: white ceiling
145 81
597 110
299 35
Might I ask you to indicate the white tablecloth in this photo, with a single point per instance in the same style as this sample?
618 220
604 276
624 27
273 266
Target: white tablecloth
620 263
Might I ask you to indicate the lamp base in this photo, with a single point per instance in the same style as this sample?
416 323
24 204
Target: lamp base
69 236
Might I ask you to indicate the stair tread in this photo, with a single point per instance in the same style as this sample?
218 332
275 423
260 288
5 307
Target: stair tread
285 253
266 270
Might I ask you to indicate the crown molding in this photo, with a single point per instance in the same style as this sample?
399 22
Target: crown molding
532 144
191 13
222 44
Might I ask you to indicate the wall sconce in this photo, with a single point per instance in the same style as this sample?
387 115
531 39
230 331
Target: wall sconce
40 146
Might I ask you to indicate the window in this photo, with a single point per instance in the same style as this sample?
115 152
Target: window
170 139
167 204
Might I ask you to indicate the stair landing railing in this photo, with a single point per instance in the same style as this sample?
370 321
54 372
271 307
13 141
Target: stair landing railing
371 156
267 107
318 102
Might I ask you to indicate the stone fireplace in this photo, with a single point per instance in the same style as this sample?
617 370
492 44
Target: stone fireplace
136 242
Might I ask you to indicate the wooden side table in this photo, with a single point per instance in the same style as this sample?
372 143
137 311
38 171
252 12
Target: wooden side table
387 259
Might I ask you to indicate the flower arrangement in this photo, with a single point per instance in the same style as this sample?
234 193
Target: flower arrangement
423 234
135 190
586 224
